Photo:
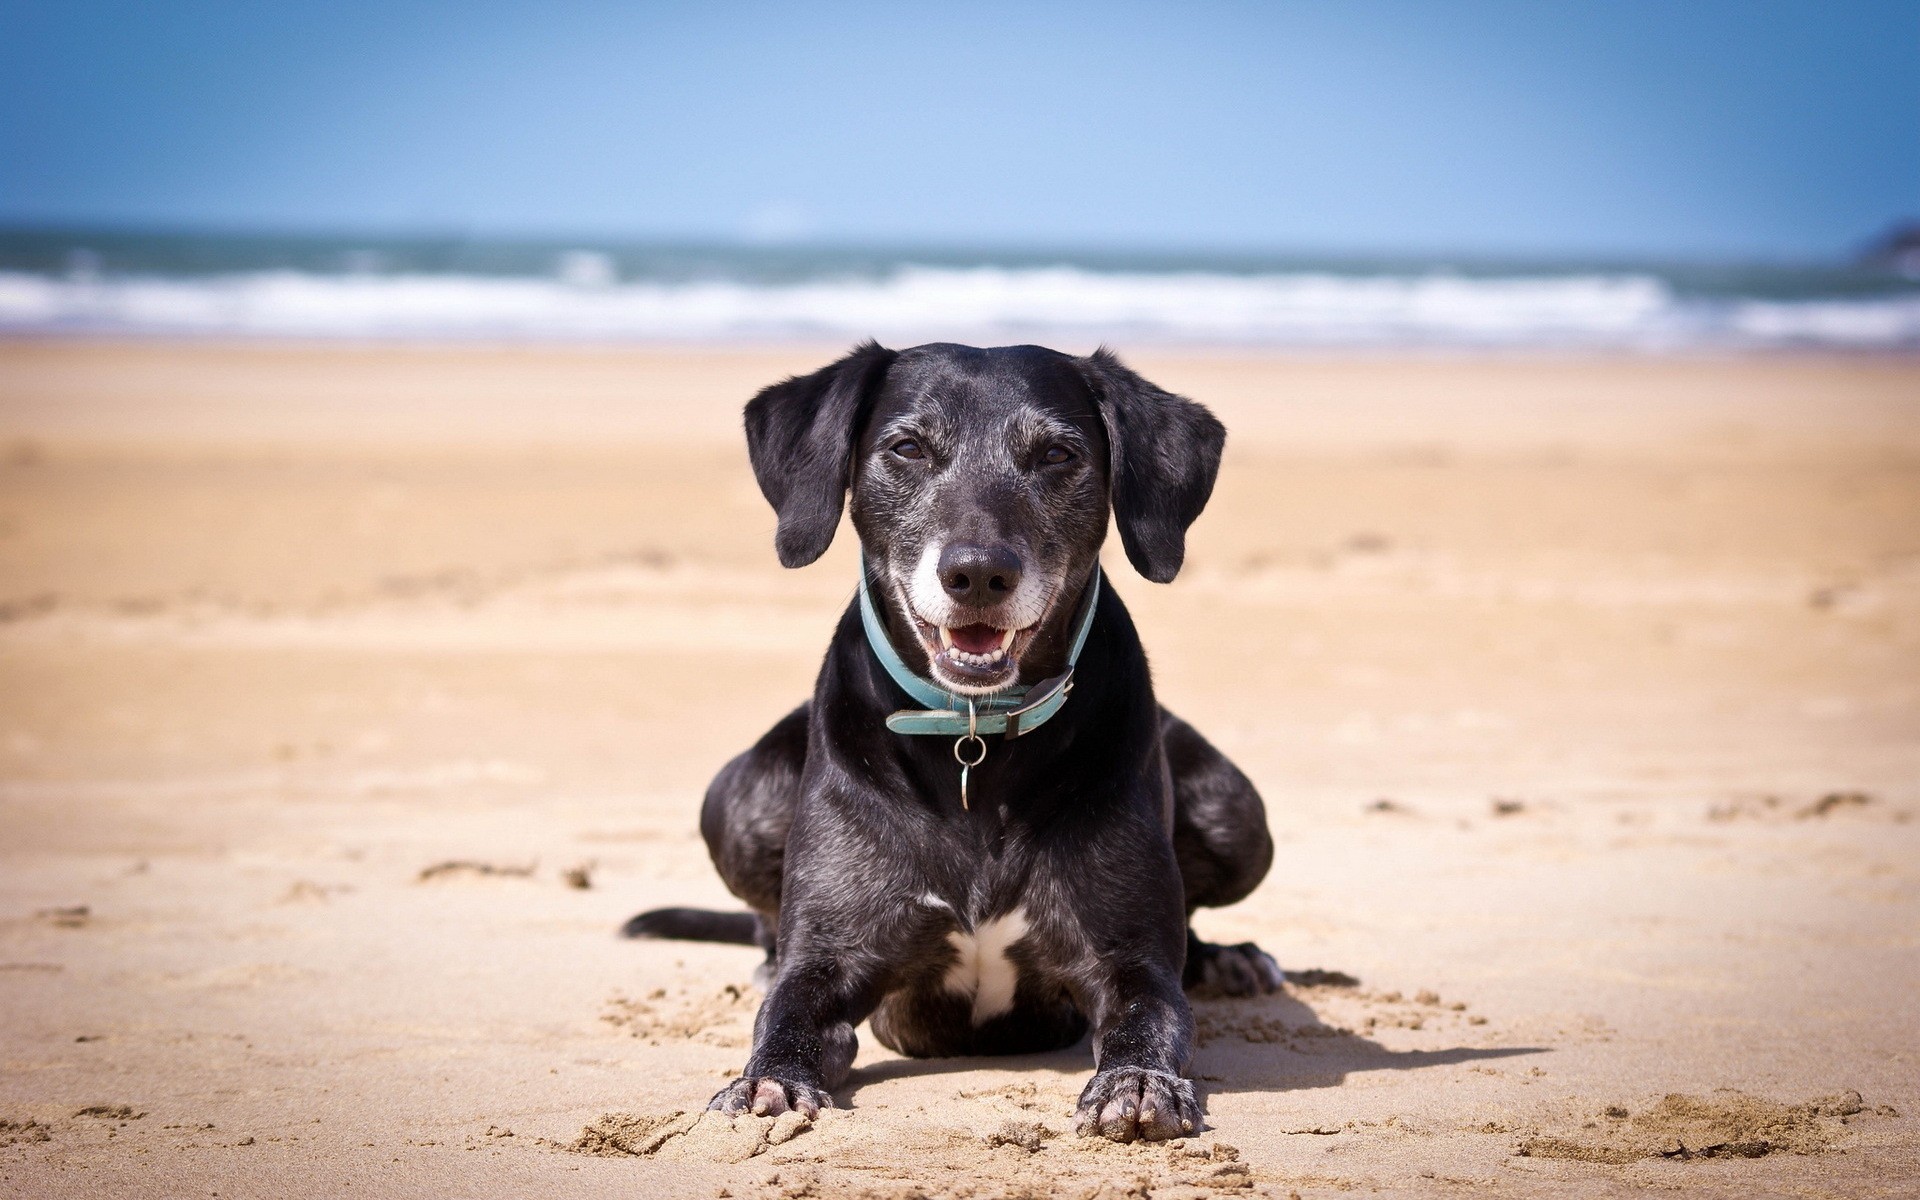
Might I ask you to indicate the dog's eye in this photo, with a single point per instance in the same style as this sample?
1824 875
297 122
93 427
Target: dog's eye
908 448
1056 455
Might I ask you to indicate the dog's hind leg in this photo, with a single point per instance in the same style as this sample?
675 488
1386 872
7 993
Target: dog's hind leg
1221 842
745 819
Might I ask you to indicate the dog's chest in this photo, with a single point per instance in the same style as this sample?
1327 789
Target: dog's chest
983 971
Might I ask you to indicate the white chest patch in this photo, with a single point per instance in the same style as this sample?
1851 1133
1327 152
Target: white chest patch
982 969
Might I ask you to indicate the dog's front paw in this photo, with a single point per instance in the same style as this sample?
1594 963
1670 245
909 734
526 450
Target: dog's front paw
768 1096
1129 1102
1242 970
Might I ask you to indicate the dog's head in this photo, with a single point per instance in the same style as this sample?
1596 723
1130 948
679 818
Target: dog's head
981 483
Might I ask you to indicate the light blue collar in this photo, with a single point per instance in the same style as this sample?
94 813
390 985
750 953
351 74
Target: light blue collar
1013 712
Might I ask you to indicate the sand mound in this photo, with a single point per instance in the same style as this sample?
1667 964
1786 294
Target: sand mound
13 1133
469 869
1018 1158
1319 977
1725 1125
707 1136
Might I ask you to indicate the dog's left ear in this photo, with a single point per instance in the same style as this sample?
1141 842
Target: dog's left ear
800 439
1165 452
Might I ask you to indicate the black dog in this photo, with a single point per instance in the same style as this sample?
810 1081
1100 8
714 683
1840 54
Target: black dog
1044 889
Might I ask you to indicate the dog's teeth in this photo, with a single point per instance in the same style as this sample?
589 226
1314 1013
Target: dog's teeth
1006 639
968 659
946 638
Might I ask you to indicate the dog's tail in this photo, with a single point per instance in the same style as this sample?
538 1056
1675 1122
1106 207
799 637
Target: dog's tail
695 925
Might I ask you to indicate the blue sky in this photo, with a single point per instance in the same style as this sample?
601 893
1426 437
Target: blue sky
1700 128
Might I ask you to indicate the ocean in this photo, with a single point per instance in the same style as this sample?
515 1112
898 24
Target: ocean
448 288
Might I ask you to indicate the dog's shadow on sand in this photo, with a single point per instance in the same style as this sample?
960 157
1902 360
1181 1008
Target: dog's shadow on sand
1259 1044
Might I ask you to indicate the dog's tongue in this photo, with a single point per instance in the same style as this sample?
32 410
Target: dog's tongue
976 639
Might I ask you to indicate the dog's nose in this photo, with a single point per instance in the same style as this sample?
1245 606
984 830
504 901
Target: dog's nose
979 575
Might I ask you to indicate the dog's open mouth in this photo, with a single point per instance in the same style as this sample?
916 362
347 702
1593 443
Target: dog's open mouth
976 645
979 656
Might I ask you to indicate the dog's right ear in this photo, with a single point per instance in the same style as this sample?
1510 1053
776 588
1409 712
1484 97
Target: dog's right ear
800 439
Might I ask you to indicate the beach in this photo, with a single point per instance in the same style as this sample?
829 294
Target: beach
353 694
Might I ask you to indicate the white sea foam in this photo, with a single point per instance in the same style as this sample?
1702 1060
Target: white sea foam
910 303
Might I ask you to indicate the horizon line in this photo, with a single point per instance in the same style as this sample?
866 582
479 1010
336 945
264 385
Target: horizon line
1860 255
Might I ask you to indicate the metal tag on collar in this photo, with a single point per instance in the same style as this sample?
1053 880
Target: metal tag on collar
979 751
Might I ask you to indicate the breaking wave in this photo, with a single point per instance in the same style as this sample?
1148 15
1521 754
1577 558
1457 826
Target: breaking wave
584 299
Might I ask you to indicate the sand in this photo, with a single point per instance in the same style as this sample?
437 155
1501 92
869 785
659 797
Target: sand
351 697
